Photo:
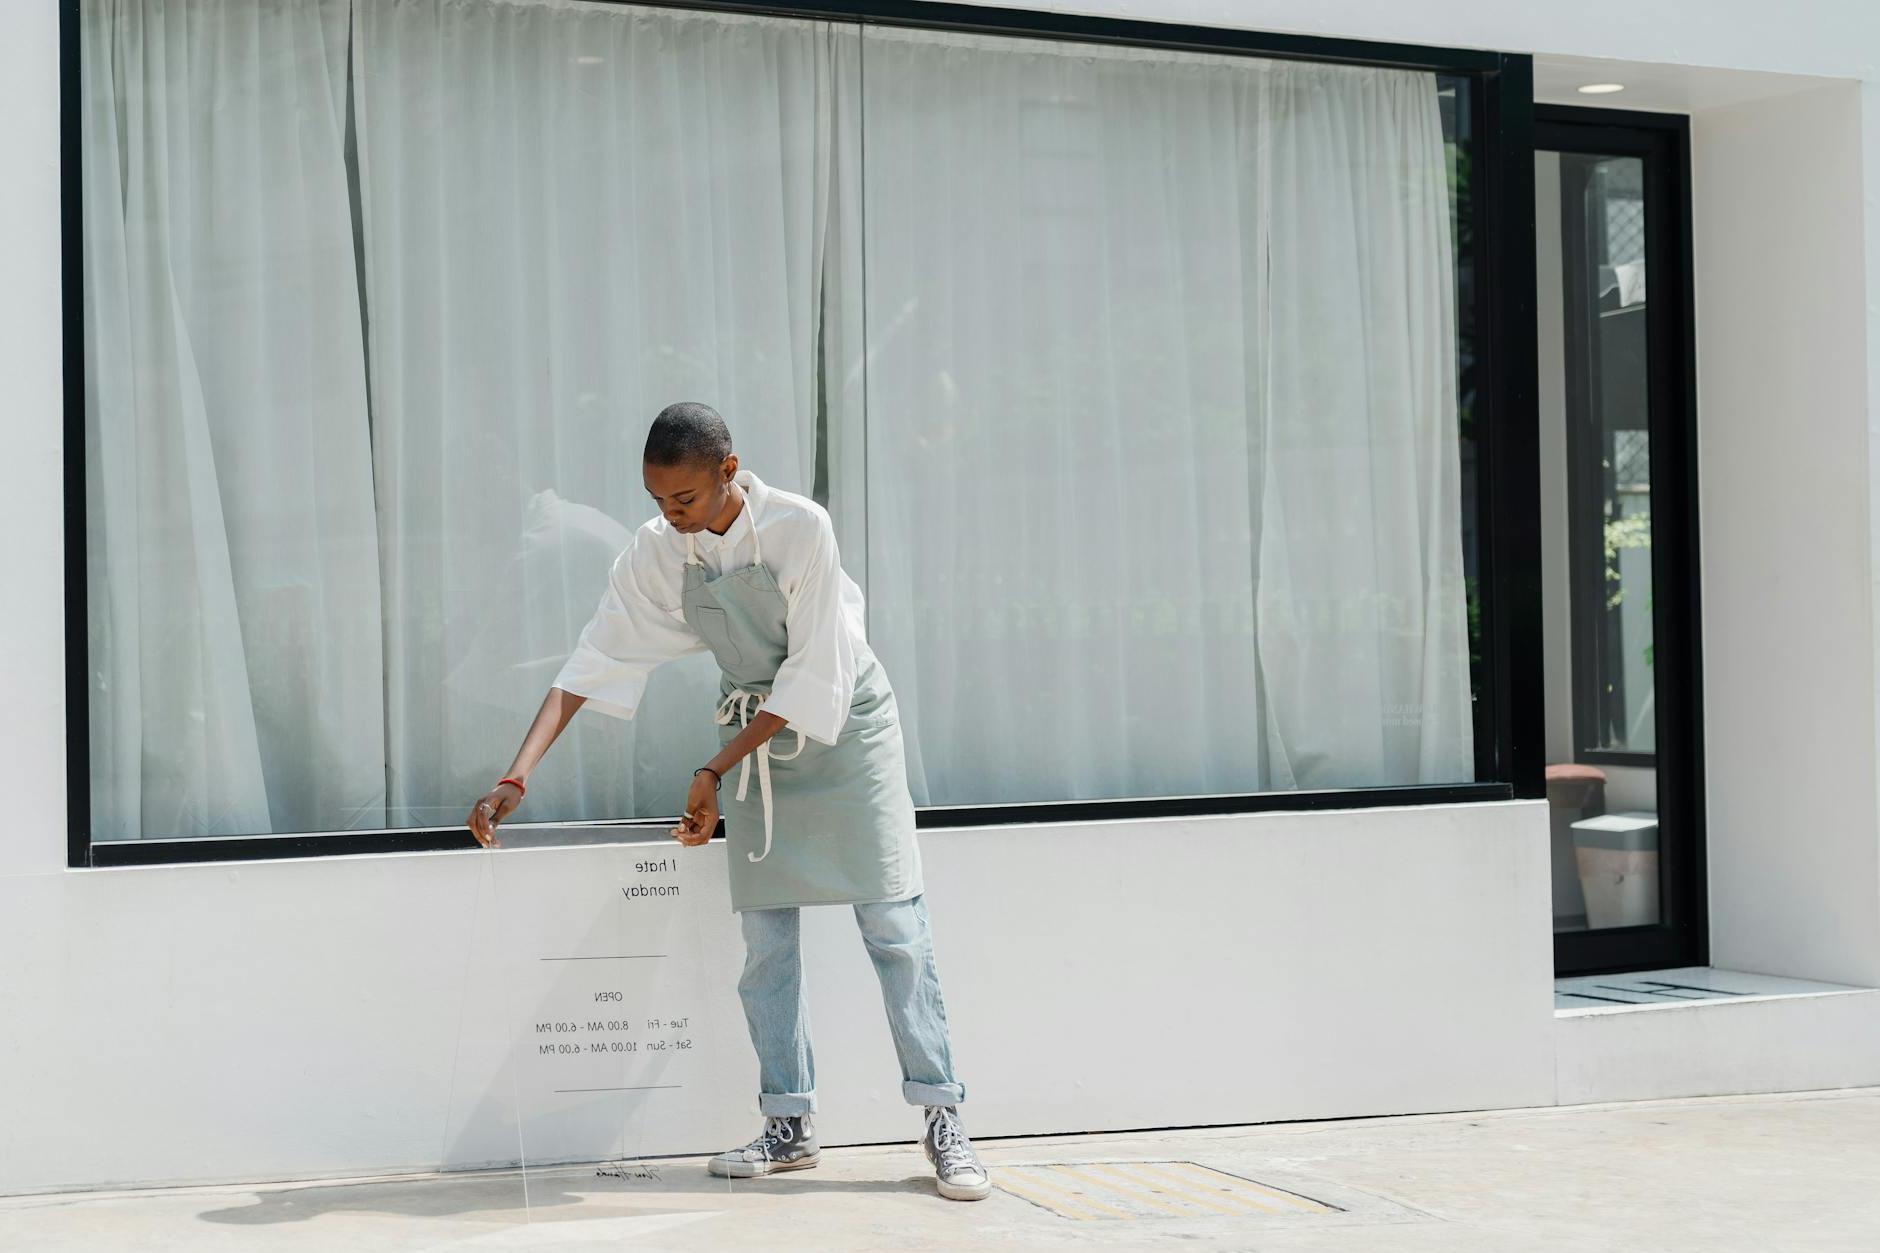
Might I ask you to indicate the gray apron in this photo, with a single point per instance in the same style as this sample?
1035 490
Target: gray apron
830 824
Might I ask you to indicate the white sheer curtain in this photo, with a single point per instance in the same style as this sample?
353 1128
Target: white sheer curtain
1160 421
232 561
574 215
1136 372
1363 611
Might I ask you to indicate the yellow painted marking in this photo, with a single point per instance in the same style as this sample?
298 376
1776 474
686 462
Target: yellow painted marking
1077 1198
1099 1184
1005 1182
1212 1175
1181 1187
1067 1207
1139 1189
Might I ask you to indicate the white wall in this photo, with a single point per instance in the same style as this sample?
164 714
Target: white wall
1839 38
1719 1048
1786 485
297 1018
287 1018
32 629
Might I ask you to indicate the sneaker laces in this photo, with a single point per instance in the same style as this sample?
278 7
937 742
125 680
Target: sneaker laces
777 1130
950 1144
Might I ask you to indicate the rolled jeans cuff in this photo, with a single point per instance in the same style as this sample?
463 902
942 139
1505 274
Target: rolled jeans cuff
785 1104
933 1093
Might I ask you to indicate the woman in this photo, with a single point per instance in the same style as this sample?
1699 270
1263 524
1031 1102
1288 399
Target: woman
751 573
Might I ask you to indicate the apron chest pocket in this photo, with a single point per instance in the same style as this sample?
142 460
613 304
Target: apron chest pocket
715 627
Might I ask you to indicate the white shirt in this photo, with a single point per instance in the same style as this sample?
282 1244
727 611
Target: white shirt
639 623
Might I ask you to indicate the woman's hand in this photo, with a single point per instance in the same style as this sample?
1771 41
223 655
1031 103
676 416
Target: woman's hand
701 811
496 804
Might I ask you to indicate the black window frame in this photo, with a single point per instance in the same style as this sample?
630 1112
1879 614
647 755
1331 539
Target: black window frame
1497 256
1681 937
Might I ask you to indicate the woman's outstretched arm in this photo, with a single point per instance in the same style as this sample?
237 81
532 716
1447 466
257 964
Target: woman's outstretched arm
501 801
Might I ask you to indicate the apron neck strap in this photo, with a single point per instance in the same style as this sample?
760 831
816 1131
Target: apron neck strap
757 547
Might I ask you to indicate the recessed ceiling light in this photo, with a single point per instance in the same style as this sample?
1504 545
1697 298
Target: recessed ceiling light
600 61
1600 89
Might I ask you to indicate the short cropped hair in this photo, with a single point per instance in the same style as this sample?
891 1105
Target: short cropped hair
688 433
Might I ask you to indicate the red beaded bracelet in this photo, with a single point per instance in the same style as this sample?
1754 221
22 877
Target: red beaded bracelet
521 790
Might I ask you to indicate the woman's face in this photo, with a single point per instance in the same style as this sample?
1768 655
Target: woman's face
693 495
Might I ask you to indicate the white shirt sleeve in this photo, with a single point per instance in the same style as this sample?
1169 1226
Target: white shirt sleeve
637 626
816 683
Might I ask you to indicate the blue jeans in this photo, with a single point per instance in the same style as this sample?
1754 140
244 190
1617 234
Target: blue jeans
901 946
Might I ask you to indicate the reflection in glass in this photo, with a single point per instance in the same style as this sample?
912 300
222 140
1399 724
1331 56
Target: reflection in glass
1591 249
1610 423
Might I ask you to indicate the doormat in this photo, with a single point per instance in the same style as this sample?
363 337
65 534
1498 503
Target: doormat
1158 1189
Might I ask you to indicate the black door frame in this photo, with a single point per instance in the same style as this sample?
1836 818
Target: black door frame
1661 141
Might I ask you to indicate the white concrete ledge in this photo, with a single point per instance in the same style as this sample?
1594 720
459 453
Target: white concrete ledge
1765 1043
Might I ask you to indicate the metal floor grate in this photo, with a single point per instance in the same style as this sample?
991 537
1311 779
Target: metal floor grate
1149 1189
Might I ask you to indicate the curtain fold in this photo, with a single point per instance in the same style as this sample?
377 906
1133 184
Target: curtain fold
1362 609
232 559
573 215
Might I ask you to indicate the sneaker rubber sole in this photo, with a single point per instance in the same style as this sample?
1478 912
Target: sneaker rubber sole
965 1191
751 1170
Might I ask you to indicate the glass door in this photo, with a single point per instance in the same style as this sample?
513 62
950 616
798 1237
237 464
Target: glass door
1619 538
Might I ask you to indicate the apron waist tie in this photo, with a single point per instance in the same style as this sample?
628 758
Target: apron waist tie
741 704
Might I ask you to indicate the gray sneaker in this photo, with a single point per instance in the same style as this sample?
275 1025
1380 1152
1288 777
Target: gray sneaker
786 1143
956 1167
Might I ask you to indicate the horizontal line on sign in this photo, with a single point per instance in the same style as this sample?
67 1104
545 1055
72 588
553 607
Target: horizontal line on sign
604 957
645 1087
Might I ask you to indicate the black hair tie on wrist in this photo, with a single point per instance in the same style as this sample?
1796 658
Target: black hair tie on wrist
718 780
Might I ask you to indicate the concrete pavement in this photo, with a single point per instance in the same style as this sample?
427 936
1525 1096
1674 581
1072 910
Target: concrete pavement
1794 1173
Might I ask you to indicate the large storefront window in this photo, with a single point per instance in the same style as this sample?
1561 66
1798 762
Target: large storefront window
1129 375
